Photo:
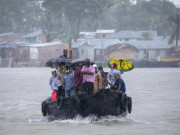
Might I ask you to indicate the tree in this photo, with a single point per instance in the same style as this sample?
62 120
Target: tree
174 28
75 12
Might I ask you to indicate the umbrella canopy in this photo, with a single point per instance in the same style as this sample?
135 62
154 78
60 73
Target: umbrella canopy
79 62
55 62
122 64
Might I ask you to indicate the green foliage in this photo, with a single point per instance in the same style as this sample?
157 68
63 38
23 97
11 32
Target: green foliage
173 22
68 17
146 35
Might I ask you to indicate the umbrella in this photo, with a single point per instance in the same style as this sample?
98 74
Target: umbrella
79 62
55 62
122 64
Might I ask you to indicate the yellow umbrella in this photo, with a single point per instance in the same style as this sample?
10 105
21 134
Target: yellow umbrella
122 64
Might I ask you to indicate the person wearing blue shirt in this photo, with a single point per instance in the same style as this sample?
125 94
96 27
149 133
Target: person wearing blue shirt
53 81
119 84
68 82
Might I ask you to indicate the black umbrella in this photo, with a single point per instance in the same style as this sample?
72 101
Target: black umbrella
79 62
55 62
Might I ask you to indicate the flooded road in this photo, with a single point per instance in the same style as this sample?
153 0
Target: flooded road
155 94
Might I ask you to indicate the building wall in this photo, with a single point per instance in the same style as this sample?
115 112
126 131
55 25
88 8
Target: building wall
75 53
49 52
102 35
126 53
151 54
86 51
23 53
41 38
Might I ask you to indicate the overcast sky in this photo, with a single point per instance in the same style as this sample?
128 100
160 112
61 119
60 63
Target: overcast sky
176 2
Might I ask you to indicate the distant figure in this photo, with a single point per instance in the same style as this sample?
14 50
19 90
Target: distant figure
98 80
68 82
119 85
78 78
53 82
113 71
104 77
65 54
88 72
60 74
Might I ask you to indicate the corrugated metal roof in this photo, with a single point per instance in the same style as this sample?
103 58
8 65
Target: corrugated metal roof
130 35
36 33
149 44
105 31
5 34
139 44
96 43
43 44
88 33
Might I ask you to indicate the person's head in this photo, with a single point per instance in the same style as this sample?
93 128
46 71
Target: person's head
100 69
62 65
74 66
96 69
67 69
65 52
53 71
87 62
114 66
116 76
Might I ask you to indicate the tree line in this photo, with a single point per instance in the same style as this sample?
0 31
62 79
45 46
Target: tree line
66 18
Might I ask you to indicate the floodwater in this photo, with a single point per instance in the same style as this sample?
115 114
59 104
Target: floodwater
156 105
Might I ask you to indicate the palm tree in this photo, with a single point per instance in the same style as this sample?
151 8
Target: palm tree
174 31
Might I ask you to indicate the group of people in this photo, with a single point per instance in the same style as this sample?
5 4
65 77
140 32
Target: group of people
69 80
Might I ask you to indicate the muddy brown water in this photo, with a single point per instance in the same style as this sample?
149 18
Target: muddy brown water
156 105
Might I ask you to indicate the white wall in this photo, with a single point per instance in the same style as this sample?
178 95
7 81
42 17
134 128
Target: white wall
33 53
90 52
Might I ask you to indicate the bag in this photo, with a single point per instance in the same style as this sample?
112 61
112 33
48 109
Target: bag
54 95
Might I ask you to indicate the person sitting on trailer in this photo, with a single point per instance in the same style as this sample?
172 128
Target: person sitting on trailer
65 54
113 71
119 84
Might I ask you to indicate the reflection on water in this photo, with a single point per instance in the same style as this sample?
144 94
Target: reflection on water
155 94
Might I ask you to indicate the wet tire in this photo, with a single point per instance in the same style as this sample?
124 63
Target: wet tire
129 104
43 107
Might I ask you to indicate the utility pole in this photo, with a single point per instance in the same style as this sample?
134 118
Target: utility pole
100 36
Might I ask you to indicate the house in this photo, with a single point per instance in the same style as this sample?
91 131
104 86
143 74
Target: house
133 35
92 48
41 52
8 47
87 34
120 50
104 33
150 49
35 37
